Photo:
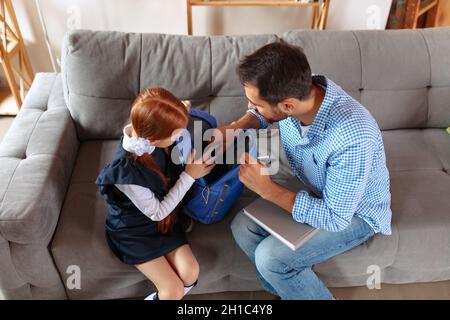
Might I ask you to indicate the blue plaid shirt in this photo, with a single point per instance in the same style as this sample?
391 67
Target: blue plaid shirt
342 160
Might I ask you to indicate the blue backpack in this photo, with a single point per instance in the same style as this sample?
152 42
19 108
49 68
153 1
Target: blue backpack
212 196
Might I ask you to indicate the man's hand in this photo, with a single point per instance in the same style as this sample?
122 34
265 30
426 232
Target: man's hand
254 175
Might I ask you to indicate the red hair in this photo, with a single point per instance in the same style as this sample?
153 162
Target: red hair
156 114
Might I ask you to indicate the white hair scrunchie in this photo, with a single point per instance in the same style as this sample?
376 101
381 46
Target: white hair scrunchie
141 145
136 145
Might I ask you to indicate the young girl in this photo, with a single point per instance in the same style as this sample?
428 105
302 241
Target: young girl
143 189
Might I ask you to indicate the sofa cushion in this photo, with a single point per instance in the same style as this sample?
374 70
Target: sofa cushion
439 95
37 155
394 83
412 150
228 109
101 78
352 268
323 50
439 107
421 205
104 71
226 52
80 240
178 63
439 140
397 109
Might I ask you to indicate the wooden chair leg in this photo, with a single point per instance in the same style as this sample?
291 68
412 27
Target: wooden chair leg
9 73
189 17
432 16
324 18
412 12
314 18
23 50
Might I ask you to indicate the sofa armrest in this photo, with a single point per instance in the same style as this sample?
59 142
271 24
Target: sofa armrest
37 156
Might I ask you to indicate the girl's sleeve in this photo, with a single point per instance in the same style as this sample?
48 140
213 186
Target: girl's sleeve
144 199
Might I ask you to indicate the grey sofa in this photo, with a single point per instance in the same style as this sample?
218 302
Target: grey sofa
51 213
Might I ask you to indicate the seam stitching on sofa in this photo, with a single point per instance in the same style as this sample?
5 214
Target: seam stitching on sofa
347 90
95 97
436 151
29 220
15 268
210 73
45 154
50 92
15 169
32 133
64 73
360 61
7 187
430 75
416 170
140 65
17 220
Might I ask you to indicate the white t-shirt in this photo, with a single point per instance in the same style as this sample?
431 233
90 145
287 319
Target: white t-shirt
304 129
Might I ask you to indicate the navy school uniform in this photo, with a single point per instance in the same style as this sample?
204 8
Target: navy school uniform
133 237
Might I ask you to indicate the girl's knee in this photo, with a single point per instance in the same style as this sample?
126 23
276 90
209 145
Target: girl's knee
190 274
171 291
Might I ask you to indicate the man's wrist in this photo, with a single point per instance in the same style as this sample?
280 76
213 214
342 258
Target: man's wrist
262 121
280 196
270 191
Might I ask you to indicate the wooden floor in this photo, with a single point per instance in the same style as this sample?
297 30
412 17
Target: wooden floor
8 105
8 109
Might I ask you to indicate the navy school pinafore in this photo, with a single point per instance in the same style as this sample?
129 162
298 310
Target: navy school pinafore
133 237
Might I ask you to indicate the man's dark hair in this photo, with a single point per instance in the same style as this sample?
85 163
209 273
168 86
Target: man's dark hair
279 70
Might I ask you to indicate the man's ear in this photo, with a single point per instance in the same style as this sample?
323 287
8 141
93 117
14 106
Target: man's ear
287 106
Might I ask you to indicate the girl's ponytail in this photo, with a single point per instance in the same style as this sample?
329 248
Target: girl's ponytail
156 114
165 225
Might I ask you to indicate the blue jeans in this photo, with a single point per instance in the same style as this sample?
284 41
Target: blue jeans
289 273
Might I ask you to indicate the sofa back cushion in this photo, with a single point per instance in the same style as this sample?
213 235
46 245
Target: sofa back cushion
400 76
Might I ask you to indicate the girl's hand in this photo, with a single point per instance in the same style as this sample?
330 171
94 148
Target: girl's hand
198 168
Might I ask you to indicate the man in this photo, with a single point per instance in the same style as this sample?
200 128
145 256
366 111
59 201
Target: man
334 146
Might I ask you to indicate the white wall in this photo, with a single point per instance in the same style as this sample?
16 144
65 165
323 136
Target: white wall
169 16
